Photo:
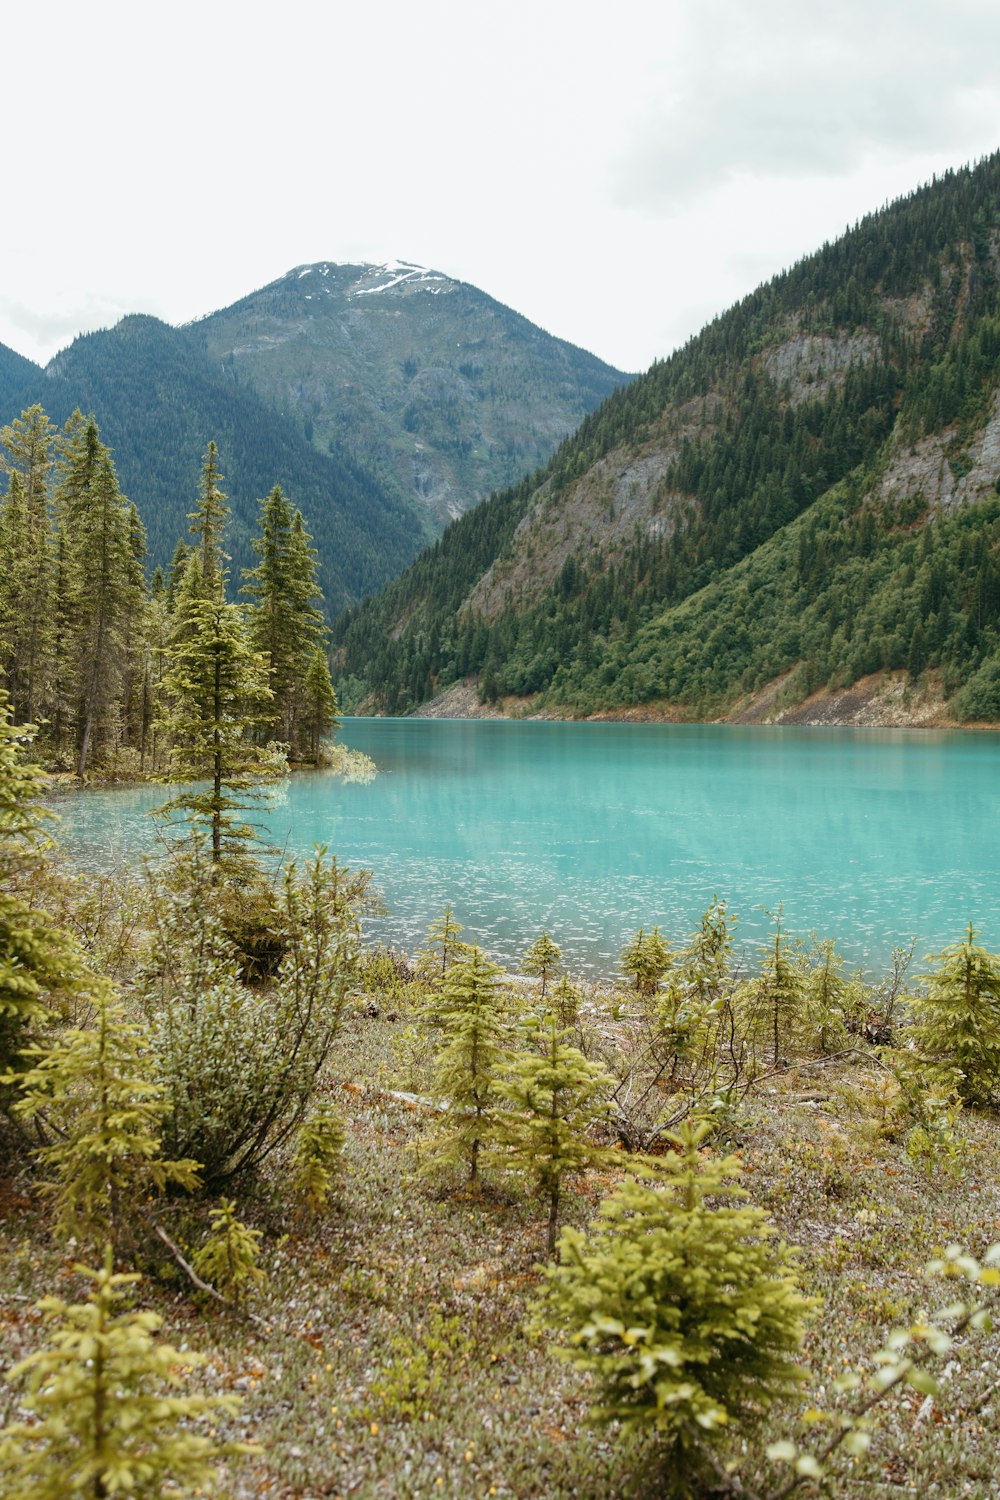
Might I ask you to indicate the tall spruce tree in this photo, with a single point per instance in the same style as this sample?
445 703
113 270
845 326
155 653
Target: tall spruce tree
104 588
26 561
208 523
214 688
286 623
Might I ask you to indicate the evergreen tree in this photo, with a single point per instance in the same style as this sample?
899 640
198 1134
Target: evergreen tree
543 959
208 523
319 705
214 687
646 959
39 960
286 624
556 1097
958 1018
444 942
93 1089
104 587
105 1416
779 995
228 1258
679 1305
468 1071
316 1159
26 561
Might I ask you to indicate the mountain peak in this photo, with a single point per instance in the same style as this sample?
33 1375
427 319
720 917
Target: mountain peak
366 279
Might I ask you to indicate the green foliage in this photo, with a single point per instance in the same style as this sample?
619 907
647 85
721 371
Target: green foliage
286 626
40 963
316 1157
779 996
769 546
228 1258
214 687
646 960
159 401
904 1363
444 944
555 1097
416 1370
239 1063
680 1307
958 1018
106 1416
101 1108
543 958
466 1080
319 706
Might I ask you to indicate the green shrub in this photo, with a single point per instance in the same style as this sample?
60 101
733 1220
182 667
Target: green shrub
239 1063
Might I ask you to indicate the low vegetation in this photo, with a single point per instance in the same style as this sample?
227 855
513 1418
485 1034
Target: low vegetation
379 1226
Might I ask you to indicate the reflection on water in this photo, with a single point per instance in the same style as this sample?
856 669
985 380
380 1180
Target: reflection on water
872 836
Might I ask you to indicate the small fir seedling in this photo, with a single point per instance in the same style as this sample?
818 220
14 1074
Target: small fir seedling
555 1098
444 944
469 1068
106 1414
543 959
316 1159
958 1018
645 960
228 1258
680 1307
93 1093
779 995
565 1003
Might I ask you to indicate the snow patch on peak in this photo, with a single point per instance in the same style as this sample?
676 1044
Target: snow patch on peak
307 272
398 271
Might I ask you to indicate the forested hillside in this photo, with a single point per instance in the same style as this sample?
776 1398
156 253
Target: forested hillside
807 488
16 373
158 402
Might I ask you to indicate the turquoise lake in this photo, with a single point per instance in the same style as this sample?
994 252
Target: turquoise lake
874 837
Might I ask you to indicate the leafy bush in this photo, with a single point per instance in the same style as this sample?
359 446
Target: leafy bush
239 1064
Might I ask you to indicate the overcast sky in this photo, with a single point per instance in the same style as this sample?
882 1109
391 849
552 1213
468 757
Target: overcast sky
618 172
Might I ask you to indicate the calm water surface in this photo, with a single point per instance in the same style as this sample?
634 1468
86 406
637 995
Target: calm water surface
871 836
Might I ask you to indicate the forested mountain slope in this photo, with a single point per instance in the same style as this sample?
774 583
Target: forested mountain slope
446 393
806 491
159 401
16 373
